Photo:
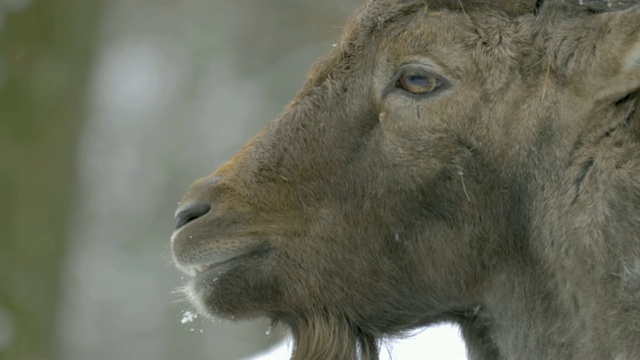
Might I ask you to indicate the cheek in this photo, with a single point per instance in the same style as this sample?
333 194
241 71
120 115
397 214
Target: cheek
416 152
401 118
400 134
409 122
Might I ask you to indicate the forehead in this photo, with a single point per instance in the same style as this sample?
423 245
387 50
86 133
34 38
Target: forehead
398 31
444 38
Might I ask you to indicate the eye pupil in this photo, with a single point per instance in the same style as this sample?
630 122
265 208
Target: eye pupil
418 83
418 80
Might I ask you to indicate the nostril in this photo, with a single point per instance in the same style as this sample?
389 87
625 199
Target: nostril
191 213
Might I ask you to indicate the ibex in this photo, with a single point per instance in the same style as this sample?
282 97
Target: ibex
472 162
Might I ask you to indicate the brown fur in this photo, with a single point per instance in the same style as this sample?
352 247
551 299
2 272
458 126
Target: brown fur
507 202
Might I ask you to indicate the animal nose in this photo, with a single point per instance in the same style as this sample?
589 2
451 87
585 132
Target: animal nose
194 204
190 213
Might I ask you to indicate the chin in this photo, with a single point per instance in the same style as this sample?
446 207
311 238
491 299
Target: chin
235 291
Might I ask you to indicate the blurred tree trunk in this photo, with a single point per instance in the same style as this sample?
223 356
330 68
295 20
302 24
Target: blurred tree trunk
45 52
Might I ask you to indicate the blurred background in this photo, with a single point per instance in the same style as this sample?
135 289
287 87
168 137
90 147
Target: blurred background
109 109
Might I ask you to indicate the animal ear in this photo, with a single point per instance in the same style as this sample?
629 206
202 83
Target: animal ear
618 54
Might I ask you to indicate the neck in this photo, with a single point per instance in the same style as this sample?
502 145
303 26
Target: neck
516 319
519 319
522 317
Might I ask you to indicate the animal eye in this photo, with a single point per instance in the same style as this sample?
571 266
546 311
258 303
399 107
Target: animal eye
418 83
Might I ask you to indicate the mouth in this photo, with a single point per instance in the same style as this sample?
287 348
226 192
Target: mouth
199 269
219 260
195 270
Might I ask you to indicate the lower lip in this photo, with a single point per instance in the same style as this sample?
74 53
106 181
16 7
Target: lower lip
217 265
204 268
209 267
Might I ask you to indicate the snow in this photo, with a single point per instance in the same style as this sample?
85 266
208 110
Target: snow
435 343
188 317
